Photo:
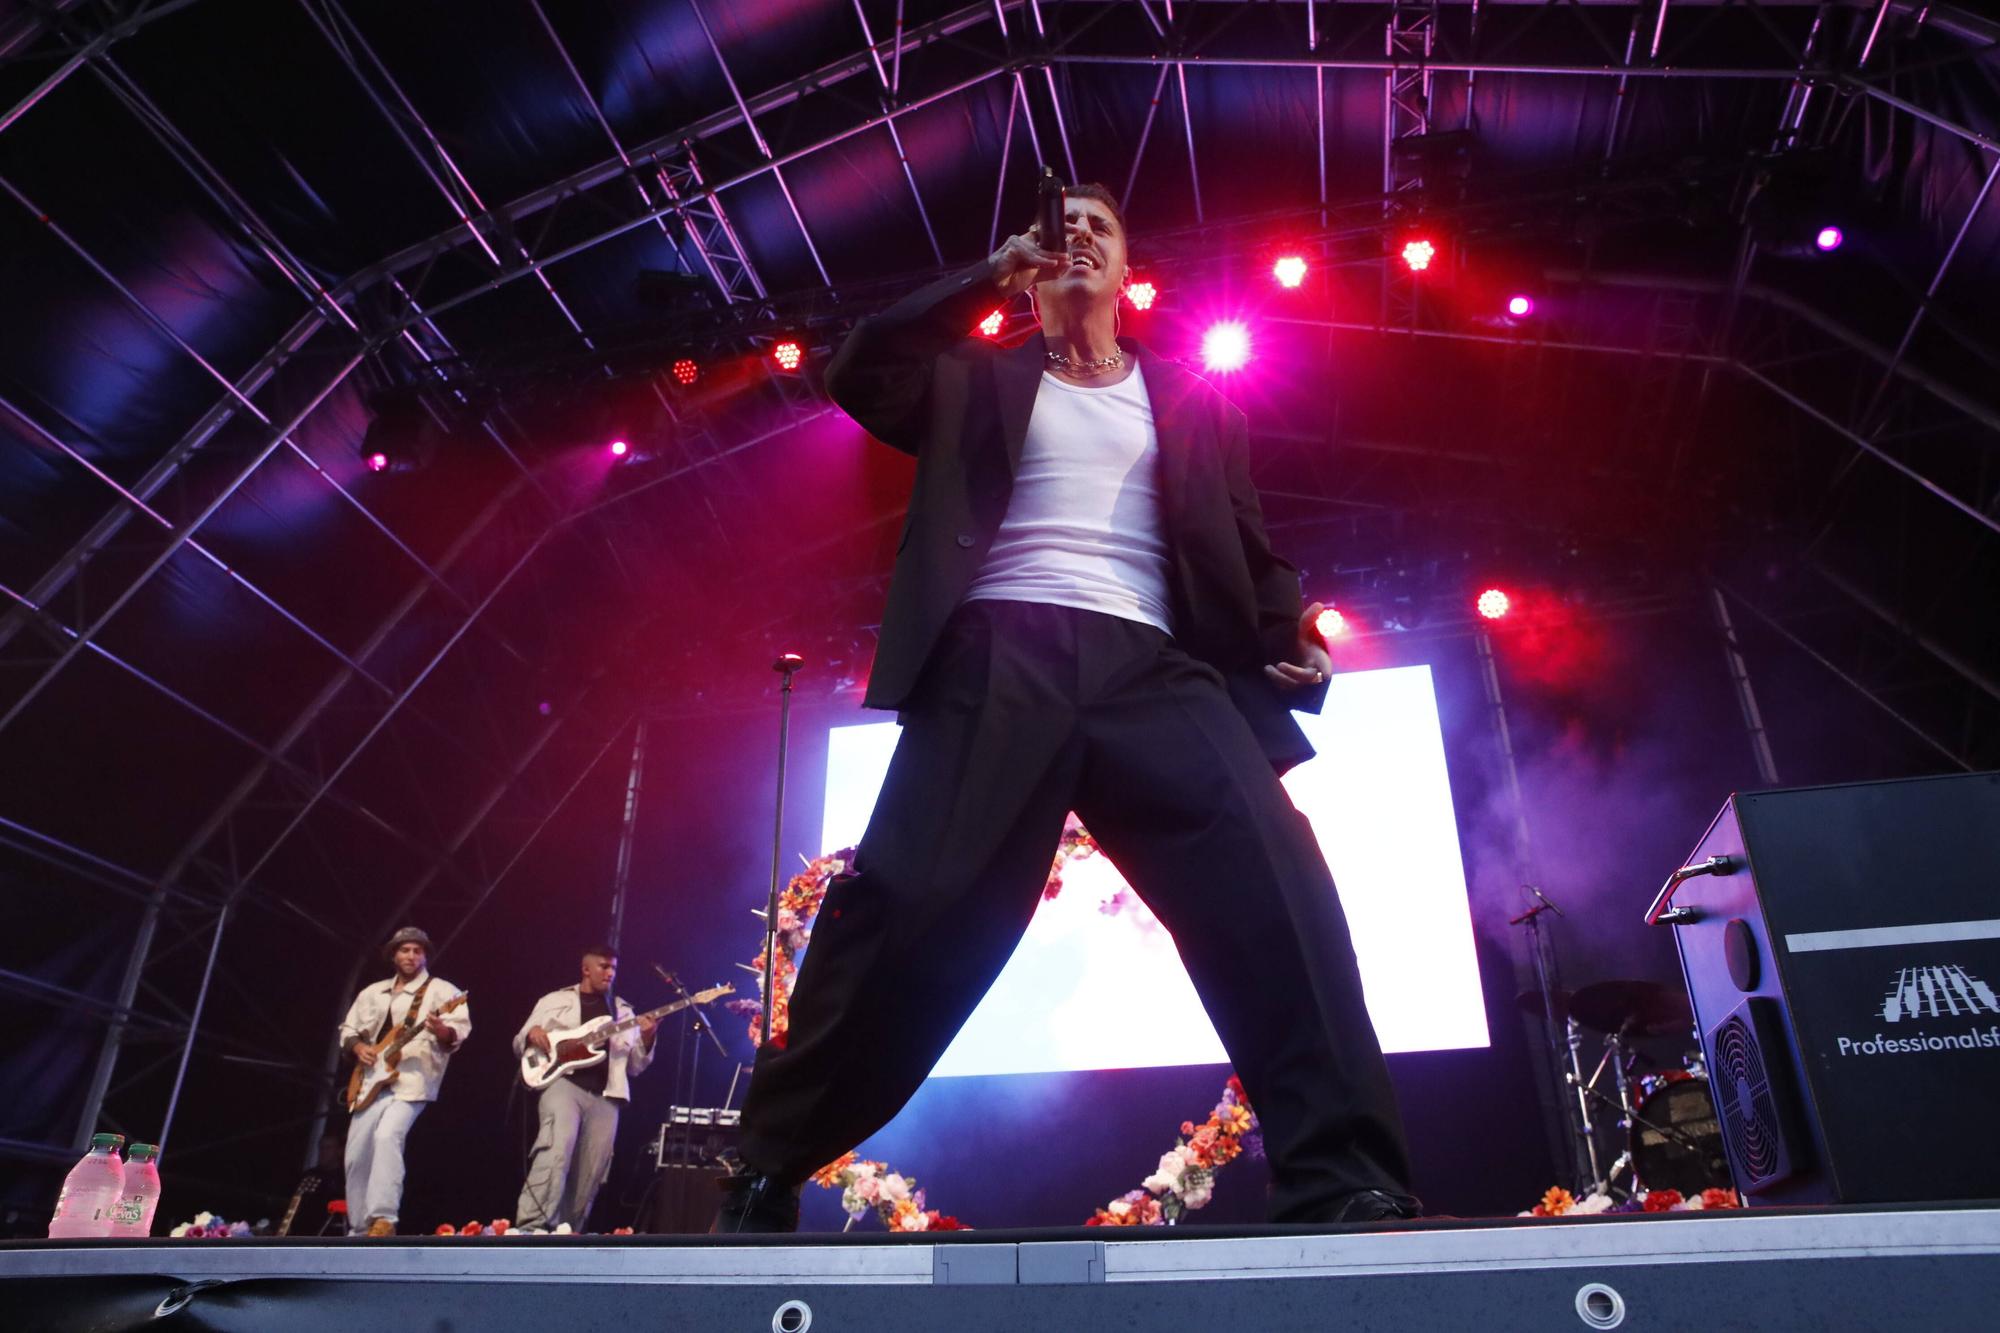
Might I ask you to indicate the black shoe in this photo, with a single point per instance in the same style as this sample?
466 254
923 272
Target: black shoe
755 1203
1372 1206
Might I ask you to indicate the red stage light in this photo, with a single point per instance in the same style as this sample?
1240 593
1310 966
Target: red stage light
686 372
788 354
1226 346
990 326
1493 603
377 462
1142 295
619 448
1290 270
1520 306
1330 623
1418 254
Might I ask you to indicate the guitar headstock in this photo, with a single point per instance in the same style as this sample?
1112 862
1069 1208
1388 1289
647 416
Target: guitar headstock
714 993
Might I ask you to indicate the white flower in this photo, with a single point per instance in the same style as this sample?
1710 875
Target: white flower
1160 1183
1119 1208
894 1188
1198 1196
181 1230
1595 1203
915 1222
862 1170
562 1229
1689 1205
1173 1164
203 1219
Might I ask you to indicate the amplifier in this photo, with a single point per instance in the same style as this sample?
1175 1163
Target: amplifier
696 1136
1841 947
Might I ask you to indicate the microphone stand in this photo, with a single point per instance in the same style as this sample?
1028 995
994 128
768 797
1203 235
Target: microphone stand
788 664
698 1012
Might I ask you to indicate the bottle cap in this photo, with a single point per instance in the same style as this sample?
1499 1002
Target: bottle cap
141 1152
107 1140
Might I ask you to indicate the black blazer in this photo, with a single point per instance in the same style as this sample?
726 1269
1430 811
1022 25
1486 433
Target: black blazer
915 379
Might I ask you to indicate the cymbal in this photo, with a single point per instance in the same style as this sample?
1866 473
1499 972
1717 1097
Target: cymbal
1637 1008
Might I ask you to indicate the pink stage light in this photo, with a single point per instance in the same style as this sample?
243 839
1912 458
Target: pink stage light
1829 239
1142 295
619 448
1520 307
377 462
686 372
990 326
1290 270
1330 623
1225 347
788 354
1418 254
1493 604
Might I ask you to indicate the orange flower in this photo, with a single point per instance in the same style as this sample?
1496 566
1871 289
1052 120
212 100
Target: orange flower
1555 1203
829 1175
1717 1198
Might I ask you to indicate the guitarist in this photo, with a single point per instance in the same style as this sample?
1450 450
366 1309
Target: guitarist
375 1136
579 1111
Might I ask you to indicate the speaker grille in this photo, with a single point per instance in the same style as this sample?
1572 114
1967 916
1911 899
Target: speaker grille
1752 1094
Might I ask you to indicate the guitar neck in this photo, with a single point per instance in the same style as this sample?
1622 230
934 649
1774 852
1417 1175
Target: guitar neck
702 997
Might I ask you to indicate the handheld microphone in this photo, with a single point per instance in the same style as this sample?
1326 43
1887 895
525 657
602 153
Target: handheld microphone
1051 231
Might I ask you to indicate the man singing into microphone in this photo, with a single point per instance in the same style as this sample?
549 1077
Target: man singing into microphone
1085 615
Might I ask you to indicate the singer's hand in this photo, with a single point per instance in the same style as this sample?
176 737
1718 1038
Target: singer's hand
1313 664
1022 262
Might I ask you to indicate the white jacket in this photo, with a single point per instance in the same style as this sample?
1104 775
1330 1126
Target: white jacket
564 1009
421 1069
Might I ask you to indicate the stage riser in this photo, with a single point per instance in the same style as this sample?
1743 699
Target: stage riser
1936 1294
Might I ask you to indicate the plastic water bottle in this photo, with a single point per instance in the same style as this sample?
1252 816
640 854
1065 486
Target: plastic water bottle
141 1195
90 1191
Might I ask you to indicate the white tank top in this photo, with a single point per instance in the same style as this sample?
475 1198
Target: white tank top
1084 526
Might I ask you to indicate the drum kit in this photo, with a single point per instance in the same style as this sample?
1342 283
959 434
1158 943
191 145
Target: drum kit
1662 1120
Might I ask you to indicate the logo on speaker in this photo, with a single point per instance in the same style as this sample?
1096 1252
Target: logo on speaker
1938 992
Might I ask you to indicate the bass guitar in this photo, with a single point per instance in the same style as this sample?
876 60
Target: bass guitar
581 1047
368 1082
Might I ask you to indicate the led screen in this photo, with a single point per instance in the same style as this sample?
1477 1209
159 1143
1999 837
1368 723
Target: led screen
1096 984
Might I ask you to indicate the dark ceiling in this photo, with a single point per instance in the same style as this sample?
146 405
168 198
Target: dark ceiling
245 242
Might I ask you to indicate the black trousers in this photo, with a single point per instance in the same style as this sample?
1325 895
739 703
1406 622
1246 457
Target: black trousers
1026 712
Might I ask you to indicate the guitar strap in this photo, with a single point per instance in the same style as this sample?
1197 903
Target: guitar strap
409 1019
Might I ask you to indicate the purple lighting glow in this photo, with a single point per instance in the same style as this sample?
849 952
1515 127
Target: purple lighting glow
1225 347
1829 239
1520 307
377 462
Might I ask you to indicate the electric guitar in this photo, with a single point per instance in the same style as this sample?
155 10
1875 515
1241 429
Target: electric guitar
368 1082
308 1184
581 1047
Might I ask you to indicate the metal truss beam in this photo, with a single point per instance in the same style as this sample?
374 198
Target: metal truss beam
889 82
757 137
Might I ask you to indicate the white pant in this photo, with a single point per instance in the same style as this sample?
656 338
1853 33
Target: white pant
572 1157
375 1159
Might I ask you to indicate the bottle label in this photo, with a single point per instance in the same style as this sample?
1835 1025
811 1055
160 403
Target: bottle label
126 1211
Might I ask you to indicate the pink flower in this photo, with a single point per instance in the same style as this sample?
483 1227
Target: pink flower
895 1188
867 1189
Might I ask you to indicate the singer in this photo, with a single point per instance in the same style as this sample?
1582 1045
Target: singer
1085 614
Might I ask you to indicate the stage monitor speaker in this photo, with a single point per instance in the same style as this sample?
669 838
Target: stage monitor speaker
683 1200
1841 946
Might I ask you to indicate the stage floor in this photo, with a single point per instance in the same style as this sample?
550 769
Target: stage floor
1848 1268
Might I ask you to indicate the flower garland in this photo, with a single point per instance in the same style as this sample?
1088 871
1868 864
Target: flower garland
866 1185
209 1225
1185 1179
1559 1202
799 904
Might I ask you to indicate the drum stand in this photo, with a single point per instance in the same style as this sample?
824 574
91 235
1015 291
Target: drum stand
1617 1059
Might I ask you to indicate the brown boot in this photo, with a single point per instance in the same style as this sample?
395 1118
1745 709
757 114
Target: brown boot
381 1226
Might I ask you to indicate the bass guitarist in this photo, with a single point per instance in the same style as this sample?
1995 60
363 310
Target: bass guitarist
408 1000
579 1111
